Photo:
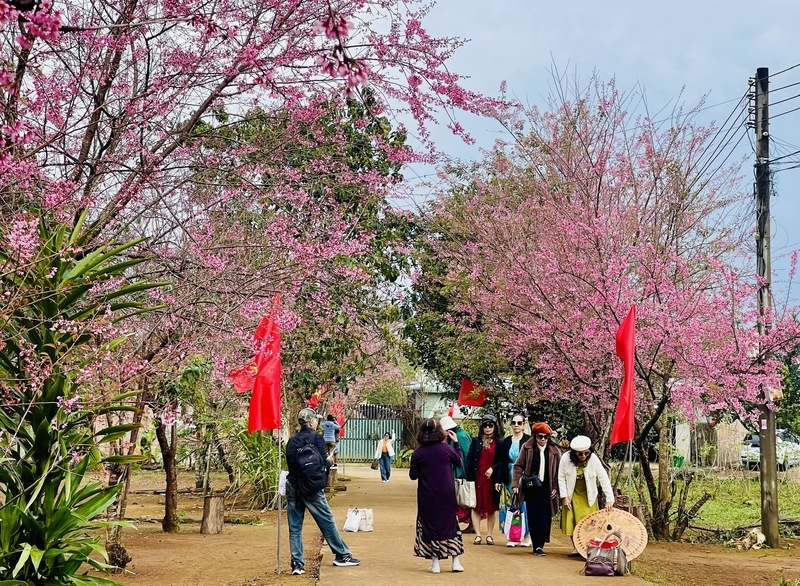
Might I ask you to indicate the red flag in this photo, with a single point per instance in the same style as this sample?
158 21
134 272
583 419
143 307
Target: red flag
470 395
337 410
265 402
244 377
623 429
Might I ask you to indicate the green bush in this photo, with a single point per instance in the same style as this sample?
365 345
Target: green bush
63 294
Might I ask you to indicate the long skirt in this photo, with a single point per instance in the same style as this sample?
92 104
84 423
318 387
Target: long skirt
580 508
437 549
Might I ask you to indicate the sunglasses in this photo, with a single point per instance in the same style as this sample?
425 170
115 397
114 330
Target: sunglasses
517 422
585 453
542 436
488 425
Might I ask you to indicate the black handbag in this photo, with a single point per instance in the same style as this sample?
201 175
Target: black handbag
529 482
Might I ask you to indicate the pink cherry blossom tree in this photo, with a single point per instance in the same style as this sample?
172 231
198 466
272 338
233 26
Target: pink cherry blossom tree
588 209
117 110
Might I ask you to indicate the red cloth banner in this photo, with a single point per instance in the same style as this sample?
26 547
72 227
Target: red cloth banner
265 402
470 395
624 423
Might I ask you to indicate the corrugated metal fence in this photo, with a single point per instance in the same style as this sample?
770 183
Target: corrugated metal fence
364 429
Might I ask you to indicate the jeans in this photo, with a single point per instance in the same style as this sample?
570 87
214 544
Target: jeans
317 505
386 466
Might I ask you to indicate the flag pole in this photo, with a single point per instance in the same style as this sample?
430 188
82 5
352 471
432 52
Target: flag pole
280 500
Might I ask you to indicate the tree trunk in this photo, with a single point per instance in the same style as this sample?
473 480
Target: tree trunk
168 450
223 457
213 514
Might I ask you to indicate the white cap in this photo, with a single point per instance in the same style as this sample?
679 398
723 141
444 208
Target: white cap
447 423
580 443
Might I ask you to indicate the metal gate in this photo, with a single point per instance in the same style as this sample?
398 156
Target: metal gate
363 431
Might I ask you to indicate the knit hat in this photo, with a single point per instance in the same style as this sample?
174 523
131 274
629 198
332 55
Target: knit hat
542 427
580 443
306 415
447 423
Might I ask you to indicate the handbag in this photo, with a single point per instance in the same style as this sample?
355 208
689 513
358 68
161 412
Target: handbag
366 518
376 463
605 557
516 522
506 500
529 482
465 493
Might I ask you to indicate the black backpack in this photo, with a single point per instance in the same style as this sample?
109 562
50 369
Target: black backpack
311 475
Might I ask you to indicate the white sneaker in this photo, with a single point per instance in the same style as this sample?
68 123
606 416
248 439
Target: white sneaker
511 544
433 570
457 567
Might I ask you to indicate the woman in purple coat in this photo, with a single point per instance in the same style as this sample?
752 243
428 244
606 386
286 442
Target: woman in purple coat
438 536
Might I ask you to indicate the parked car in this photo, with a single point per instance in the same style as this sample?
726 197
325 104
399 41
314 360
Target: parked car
787 450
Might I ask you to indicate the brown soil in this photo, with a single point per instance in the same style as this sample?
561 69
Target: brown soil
246 552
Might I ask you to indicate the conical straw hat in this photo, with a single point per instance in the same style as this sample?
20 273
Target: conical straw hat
631 531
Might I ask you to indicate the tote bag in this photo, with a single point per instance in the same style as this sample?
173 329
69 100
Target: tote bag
465 493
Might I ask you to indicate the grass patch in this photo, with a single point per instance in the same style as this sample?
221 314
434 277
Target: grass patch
736 502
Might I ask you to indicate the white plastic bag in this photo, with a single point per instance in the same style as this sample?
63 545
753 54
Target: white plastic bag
366 518
282 482
352 521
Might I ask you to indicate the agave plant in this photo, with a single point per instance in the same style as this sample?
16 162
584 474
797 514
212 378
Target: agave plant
63 297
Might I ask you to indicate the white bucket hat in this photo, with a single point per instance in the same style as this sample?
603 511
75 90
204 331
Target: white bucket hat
447 423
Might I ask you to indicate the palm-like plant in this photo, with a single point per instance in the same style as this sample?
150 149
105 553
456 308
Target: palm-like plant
63 299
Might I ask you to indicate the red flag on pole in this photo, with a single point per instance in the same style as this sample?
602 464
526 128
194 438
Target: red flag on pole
624 427
470 395
244 377
265 402
337 410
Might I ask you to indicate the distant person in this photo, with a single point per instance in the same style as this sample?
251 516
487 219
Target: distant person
504 458
540 457
481 468
437 534
298 499
579 472
464 442
384 452
330 429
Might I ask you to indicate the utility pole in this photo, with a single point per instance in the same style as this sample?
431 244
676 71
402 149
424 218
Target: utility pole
766 419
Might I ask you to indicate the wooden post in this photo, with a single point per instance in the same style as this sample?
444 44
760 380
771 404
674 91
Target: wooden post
213 514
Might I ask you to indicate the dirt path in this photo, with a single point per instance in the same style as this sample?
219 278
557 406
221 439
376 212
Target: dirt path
245 553
387 553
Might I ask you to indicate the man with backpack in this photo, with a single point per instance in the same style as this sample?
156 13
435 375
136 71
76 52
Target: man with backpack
305 489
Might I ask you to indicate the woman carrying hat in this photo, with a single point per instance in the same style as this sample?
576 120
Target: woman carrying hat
540 457
579 472
480 468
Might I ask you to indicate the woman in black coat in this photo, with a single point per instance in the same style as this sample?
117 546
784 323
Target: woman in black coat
481 468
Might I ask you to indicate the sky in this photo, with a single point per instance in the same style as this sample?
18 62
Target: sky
703 48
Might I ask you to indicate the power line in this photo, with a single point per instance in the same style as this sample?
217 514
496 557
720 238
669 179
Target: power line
787 112
783 70
784 156
785 100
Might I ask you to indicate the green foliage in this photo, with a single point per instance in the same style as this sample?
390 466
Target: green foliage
403 458
63 299
257 454
788 415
